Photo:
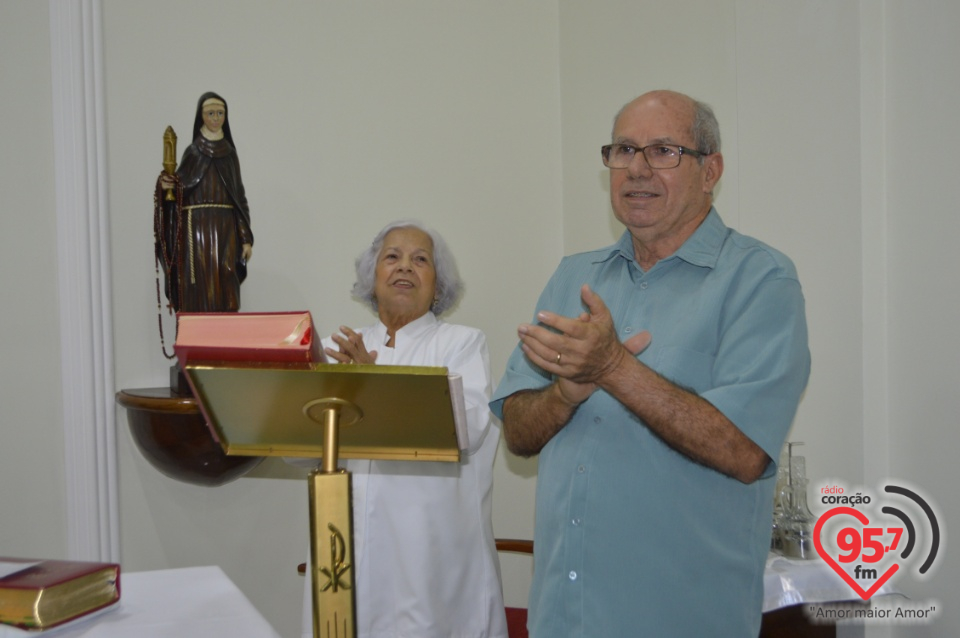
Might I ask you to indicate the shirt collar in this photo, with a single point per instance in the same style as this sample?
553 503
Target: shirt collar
702 248
411 331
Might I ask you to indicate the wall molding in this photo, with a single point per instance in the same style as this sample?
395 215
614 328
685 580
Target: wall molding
86 331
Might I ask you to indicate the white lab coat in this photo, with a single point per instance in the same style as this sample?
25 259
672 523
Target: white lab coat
426 557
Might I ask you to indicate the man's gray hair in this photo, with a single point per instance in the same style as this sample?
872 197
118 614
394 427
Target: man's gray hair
706 129
449 284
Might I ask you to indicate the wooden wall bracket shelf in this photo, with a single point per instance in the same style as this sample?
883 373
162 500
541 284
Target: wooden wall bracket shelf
171 433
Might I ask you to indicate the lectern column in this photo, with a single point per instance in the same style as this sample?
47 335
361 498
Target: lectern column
331 540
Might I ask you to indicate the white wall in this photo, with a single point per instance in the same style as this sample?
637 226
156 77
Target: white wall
921 173
485 120
32 495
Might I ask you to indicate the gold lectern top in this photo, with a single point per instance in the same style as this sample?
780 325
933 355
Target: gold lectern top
385 412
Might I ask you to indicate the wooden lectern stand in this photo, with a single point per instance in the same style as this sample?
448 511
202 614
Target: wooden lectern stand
329 411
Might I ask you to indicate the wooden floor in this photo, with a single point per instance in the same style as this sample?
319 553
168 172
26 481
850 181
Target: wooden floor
791 622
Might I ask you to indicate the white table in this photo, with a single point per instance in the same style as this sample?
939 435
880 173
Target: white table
201 602
193 602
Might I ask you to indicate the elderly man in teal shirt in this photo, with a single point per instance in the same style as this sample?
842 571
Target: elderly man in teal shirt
657 386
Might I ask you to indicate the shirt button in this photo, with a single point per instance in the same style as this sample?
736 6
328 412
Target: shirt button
572 575
576 521
643 285
597 419
581 469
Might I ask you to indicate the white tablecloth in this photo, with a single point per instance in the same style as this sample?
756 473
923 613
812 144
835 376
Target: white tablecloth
193 602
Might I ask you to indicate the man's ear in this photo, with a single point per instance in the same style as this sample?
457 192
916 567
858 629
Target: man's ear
712 170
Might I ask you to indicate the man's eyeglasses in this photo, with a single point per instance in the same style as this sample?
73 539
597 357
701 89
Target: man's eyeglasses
657 155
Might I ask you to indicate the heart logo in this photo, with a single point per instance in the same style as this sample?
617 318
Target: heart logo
860 516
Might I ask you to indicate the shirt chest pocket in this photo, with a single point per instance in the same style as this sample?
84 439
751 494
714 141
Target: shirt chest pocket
688 368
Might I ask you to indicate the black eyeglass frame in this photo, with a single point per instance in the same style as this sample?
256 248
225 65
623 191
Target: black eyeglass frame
682 150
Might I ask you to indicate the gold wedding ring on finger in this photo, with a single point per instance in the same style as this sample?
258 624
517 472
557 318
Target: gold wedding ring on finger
558 358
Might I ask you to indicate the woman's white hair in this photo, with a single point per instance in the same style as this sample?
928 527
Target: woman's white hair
449 284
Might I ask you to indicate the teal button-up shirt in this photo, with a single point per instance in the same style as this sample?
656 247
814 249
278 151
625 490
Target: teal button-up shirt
632 538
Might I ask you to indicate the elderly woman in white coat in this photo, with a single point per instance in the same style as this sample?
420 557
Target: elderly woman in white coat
423 537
